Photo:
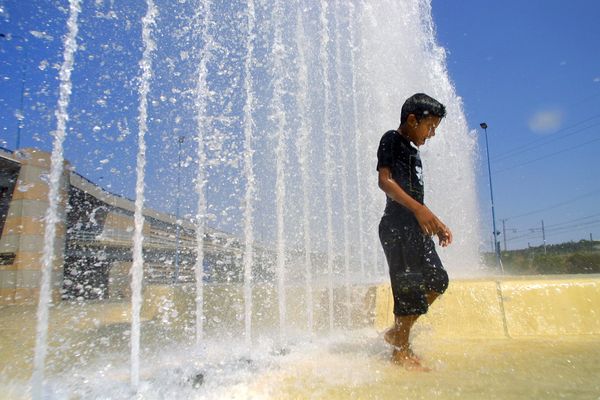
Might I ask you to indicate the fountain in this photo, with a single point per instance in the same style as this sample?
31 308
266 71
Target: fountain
276 251
53 199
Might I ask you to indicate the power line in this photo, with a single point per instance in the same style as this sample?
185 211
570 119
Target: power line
534 232
558 226
526 236
569 228
537 231
555 226
547 156
573 220
549 139
555 205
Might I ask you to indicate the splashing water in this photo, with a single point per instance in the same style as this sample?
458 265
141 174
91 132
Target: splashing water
201 96
288 105
341 109
248 174
359 196
302 144
62 116
324 60
281 151
137 270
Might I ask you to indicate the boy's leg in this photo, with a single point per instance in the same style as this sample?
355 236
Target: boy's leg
399 337
431 296
403 248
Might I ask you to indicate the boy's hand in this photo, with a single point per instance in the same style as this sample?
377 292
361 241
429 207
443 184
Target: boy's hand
430 224
445 236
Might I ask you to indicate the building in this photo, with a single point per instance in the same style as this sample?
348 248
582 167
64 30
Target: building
94 238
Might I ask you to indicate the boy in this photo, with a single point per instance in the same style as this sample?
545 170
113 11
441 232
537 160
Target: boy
416 272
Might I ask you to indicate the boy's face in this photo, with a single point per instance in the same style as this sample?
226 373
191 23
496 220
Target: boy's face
420 131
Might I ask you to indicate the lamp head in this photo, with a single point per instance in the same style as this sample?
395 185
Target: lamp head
483 125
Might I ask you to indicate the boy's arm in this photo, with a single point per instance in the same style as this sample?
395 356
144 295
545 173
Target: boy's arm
430 224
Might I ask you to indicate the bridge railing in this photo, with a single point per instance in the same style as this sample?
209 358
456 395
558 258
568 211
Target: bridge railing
114 236
122 238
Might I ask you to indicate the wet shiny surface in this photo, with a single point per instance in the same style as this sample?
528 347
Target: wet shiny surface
465 369
349 365
464 339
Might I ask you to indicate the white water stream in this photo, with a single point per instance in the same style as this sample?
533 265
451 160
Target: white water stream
289 102
54 197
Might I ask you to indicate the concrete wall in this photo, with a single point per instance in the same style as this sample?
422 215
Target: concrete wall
22 236
23 233
77 330
512 307
472 309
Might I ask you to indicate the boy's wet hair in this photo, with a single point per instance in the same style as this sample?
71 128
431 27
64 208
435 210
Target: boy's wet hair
422 106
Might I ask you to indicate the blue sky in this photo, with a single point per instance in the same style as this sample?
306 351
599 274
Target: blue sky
531 71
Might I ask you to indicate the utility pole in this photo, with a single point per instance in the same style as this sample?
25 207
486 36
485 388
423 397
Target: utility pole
495 232
544 236
504 233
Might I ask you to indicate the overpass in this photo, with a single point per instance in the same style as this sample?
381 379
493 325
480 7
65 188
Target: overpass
94 239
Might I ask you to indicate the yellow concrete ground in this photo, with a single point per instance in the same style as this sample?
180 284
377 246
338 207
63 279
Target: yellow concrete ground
503 338
68 323
465 369
514 307
495 338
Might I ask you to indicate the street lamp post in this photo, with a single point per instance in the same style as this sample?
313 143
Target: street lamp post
21 114
177 224
495 232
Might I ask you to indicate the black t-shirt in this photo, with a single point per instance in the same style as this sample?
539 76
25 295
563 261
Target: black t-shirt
397 153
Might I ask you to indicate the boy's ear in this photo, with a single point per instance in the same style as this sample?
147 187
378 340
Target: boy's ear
412 120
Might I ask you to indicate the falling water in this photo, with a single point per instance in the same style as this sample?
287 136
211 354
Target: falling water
137 268
342 145
201 127
324 61
56 169
355 128
280 118
243 75
302 146
373 104
249 174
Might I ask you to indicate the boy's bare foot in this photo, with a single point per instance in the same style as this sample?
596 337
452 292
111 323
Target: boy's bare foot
409 360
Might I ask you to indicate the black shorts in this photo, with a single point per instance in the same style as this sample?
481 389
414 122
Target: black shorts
415 267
